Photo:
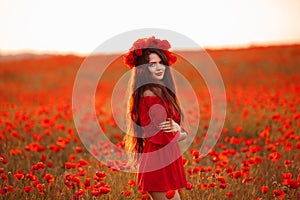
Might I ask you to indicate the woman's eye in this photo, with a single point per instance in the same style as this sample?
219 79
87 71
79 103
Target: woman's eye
152 64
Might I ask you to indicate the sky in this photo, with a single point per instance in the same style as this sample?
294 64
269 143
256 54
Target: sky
81 26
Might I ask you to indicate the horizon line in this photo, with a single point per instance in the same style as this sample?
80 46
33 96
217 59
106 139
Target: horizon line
206 47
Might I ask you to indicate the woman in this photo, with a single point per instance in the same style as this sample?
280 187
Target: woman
155 131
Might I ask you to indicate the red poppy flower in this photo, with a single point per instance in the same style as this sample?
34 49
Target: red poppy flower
274 157
212 185
229 194
246 180
41 165
129 60
203 186
138 52
195 154
229 170
95 192
279 194
298 145
184 161
143 43
234 140
2 191
265 133
208 168
76 180
254 149
72 158
4 177
221 179
271 147
43 158
68 184
276 116
286 175
249 142
50 164
100 175
31 177
18 176
238 129
61 142
264 189
87 182
171 58
78 149
130 183
54 148
36 182
47 132
79 193
105 189
28 189
170 194
215 158
59 127
46 123
82 162
3 159
190 172
218 171
189 186
49 178
146 196
41 188
222 185
69 165
237 174
258 160
288 146
127 193
291 183
8 189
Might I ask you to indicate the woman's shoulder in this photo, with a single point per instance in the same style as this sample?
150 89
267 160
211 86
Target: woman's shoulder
149 93
149 98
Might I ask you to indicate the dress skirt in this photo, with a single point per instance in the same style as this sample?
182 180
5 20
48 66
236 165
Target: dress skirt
160 164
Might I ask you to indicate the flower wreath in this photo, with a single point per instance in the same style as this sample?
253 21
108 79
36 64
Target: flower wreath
144 43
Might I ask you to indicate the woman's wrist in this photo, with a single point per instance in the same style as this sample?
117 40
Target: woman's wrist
178 128
182 134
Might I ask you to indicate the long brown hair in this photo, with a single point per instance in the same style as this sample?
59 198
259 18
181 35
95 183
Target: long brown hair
140 82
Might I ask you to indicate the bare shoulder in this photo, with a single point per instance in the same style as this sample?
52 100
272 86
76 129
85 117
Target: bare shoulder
148 93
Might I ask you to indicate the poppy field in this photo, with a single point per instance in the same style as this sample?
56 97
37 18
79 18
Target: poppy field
256 157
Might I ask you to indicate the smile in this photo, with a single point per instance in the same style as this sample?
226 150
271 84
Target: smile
159 74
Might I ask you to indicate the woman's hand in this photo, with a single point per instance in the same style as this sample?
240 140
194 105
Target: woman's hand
171 126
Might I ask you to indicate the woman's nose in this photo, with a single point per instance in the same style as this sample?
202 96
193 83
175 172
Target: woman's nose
159 66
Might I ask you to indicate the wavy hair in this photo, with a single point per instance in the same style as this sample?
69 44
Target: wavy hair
139 83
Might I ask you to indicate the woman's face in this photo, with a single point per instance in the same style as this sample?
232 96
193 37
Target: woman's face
155 66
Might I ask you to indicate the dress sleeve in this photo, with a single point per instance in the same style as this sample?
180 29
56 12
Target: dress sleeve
151 113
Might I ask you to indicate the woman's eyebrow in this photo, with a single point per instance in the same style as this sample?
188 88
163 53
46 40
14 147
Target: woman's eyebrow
155 61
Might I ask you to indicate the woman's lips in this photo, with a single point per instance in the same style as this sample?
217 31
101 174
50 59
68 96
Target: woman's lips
159 74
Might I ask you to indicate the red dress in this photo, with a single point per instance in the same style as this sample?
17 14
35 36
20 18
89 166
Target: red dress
160 165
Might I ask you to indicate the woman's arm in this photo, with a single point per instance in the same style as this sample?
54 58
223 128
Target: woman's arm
171 126
182 134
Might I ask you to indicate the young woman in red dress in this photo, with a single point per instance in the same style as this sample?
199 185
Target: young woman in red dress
156 116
